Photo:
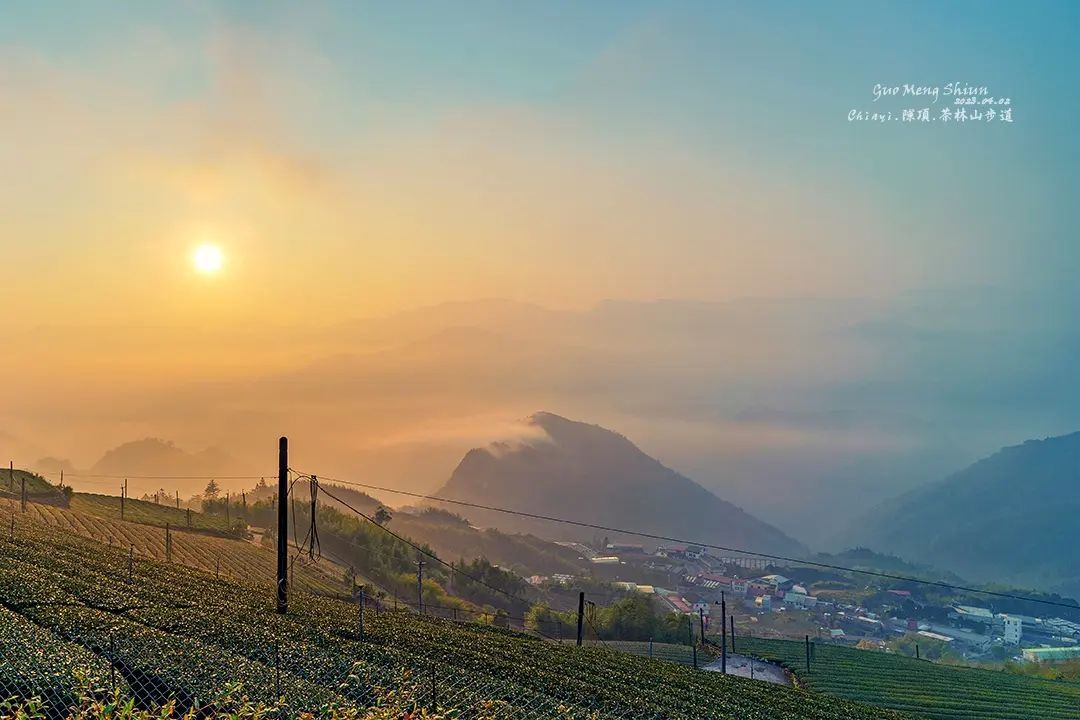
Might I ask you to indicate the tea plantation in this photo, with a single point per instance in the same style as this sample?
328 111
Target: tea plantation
925 688
72 619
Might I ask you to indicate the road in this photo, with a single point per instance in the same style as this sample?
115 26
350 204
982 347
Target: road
747 667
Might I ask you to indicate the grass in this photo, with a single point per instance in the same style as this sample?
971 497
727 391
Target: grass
941 692
173 633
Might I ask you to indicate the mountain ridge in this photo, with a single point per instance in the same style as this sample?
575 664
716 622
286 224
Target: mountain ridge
1010 516
587 473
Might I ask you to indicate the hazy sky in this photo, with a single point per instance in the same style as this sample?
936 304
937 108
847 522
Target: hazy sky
360 159
356 158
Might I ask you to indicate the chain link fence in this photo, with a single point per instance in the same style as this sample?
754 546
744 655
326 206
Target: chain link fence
285 677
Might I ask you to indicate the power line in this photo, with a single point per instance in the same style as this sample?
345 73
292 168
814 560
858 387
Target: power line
711 546
421 550
160 477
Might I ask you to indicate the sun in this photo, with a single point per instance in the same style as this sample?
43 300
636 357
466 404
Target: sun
208 259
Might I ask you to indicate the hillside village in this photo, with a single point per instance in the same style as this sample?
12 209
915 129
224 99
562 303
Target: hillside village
768 600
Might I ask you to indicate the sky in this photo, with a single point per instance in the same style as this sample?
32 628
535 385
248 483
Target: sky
362 160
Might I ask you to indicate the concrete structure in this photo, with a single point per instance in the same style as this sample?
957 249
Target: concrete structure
1014 629
799 599
971 614
1052 654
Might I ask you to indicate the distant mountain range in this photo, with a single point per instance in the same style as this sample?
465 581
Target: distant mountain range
1013 517
147 457
584 472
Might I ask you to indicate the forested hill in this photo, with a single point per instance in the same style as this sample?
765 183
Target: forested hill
1010 517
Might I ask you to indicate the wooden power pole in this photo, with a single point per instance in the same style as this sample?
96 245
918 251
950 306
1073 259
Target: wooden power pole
580 616
283 526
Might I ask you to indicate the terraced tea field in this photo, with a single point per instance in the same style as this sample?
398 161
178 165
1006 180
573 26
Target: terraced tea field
173 633
146 513
227 556
931 690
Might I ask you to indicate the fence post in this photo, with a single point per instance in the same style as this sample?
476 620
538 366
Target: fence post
277 669
723 633
580 616
112 660
807 653
916 651
433 699
361 612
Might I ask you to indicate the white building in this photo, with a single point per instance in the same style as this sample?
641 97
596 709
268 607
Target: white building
1014 629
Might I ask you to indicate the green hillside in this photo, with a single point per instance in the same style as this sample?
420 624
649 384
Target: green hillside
11 484
148 513
217 554
924 688
175 634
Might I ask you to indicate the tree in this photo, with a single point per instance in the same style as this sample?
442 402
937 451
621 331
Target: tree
382 515
212 491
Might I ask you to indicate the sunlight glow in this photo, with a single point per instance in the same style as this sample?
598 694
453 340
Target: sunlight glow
208 259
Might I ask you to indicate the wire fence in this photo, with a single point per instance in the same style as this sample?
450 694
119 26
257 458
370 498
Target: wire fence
277 676
84 625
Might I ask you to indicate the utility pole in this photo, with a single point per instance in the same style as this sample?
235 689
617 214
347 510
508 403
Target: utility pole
61 478
123 497
690 637
723 634
282 526
807 653
701 623
580 616
420 584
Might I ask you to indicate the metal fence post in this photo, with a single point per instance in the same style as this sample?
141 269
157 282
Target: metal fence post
112 660
277 668
433 698
361 612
